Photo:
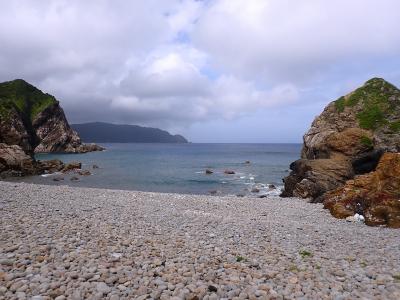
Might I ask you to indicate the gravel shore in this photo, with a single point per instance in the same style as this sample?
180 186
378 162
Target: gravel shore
79 243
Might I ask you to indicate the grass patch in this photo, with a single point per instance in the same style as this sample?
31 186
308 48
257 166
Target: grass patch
374 105
395 126
363 264
293 268
340 104
371 118
367 142
24 98
305 253
240 258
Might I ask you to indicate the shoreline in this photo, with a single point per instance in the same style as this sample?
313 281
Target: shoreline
75 242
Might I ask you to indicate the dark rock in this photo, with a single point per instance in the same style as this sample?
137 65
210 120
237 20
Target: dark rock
240 195
213 192
74 178
247 162
229 172
95 166
208 171
271 186
212 289
58 178
262 196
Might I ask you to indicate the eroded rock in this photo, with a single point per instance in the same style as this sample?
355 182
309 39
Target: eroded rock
375 195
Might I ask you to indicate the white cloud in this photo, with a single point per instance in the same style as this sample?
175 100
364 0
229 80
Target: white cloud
274 40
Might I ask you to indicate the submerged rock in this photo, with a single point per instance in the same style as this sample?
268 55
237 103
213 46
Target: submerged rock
347 139
229 172
376 195
208 171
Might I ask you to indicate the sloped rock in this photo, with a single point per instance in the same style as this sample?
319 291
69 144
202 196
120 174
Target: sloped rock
375 195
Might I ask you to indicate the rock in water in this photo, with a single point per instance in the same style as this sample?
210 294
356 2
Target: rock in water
35 121
375 195
229 172
347 139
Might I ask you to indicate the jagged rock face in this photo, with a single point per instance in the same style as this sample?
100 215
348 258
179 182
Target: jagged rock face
13 132
348 138
375 195
53 131
35 121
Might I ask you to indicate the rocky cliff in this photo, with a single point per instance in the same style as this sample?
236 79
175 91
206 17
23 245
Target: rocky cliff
35 121
347 139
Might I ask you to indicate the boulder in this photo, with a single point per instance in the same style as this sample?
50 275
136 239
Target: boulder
208 171
75 165
15 162
348 138
50 166
375 195
312 178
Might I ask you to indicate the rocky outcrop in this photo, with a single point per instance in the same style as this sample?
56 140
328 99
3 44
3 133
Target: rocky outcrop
31 122
375 195
35 121
347 139
15 162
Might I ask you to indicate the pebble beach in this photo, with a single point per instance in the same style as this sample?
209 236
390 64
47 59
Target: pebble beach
60 242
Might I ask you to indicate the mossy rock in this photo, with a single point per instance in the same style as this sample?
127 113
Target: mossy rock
373 104
25 98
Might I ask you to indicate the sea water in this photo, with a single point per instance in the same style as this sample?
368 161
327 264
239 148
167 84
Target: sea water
180 168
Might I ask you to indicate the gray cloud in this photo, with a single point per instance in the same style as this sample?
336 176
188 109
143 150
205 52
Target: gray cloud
176 63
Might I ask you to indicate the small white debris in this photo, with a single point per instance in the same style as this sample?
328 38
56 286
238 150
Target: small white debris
356 218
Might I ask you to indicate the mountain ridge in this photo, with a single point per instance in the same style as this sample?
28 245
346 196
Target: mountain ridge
102 132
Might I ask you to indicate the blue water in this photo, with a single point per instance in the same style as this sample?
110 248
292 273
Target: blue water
180 168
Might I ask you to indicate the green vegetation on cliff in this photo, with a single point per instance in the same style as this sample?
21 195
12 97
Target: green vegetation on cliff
375 104
23 97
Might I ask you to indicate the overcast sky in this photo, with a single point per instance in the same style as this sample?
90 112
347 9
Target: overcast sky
214 71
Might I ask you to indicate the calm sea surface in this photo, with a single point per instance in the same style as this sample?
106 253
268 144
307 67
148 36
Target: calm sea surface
180 168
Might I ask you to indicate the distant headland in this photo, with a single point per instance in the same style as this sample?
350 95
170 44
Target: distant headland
100 132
